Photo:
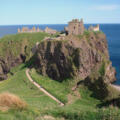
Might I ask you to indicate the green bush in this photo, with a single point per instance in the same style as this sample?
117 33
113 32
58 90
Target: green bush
102 69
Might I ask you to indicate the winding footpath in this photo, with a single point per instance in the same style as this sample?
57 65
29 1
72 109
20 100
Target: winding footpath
42 89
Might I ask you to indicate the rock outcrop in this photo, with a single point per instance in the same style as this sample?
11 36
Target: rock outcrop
11 55
7 63
76 56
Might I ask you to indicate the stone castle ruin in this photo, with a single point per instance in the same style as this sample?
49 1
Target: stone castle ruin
35 30
50 31
75 27
94 28
27 30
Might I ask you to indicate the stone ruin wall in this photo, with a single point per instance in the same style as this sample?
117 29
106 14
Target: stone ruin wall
34 29
76 27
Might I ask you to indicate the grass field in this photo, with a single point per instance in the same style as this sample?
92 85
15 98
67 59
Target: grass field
80 108
39 103
20 85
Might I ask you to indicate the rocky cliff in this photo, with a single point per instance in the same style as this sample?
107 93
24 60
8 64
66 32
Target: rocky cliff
76 56
7 63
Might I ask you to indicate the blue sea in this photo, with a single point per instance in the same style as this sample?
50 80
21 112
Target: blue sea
112 32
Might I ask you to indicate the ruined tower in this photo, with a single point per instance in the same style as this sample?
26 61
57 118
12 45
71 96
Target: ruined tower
38 29
19 30
94 28
34 29
75 27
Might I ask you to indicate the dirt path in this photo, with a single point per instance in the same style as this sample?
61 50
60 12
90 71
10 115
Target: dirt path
42 89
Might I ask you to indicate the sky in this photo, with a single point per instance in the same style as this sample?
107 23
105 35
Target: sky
18 12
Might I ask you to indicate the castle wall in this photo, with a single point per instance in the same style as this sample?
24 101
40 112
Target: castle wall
81 28
50 31
94 28
75 27
27 30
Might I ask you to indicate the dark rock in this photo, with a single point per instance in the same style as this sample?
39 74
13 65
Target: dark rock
7 63
98 86
74 57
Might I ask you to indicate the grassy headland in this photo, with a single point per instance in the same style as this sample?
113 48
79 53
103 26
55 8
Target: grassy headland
79 104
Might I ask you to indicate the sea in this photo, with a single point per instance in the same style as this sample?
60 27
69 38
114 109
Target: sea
112 32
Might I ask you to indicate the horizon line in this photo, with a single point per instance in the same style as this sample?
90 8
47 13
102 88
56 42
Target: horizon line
52 24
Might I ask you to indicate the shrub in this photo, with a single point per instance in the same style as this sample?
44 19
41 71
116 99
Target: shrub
86 32
102 69
11 101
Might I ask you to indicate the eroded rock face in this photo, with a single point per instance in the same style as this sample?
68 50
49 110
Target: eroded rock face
8 62
3 70
78 56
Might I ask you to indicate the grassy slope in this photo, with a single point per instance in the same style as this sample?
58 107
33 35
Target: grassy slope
38 103
20 85
83 108
60 89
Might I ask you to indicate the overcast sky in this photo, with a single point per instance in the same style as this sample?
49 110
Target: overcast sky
14 12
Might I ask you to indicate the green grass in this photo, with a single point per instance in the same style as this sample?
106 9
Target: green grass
83 108
102 69
20 85
58 89
19 43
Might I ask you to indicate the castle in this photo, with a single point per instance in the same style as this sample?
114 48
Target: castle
50 31
75 27
35 30
27 30
95 28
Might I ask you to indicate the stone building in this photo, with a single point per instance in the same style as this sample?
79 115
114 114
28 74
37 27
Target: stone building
50 31
34 29
25 29
19 30
94 28
75 27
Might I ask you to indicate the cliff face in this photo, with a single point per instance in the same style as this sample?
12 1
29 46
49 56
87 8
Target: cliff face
77 56
8 62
